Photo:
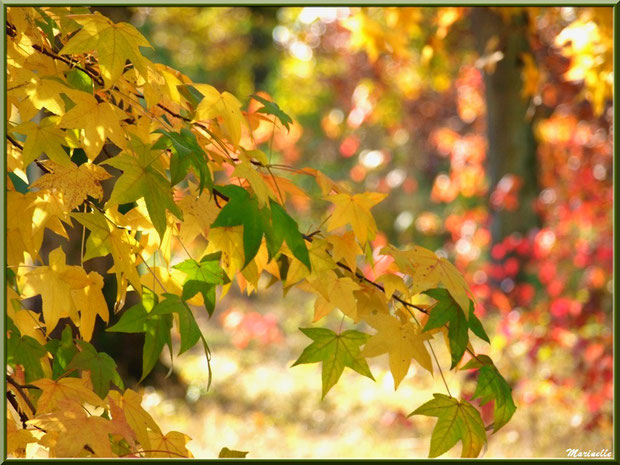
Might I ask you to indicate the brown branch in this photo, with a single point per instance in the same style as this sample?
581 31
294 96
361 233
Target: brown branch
13 401
93 74
19 389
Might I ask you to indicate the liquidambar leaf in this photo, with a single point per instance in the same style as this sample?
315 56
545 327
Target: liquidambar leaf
493 387
457 421
227 453
101 366
336 351
272 108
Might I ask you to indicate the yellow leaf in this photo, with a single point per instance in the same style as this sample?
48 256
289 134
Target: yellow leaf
77 429
45 137
171 445
370 300
260 188
402 342
229 241
22 235
90 302
46 93
98 120
138 419
224 105
427 270
355 210
106 238
16 438
345 247
337 291
54 391
319 259
26 321
392 283
49 281
198 215
74 183
114 44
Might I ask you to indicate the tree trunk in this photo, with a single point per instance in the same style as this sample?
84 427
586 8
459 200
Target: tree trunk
511 145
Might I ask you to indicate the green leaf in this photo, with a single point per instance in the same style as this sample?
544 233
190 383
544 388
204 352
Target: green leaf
190 333
476 325
156 336
186 152
133 320
202 277
447 310
101 366
142 177
227 453
457 421
242 209
80 80
336 351
272 108
63 350
493 387
285 228
25 351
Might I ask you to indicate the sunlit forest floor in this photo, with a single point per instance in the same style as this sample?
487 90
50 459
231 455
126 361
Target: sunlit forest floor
258 403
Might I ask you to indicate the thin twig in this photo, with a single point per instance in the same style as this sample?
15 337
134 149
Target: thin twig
19 389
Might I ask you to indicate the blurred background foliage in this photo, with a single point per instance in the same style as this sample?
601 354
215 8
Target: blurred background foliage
491 130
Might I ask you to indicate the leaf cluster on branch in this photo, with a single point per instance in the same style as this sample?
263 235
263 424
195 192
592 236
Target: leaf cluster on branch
184 170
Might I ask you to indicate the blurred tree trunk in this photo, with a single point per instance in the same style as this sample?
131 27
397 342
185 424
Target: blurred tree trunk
511 144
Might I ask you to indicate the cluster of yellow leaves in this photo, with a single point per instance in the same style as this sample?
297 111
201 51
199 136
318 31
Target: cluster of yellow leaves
91 101
68 422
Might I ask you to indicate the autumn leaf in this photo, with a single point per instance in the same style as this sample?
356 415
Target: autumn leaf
227 453
74 183
45 137
336 351
53 392
104 239
114 44
171 445
17 438
77 429
355 210
456 421
224 105
402 342
140 421
103 122
346 248
142 177
427 270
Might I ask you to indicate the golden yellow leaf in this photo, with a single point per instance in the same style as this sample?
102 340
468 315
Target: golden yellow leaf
391 283
77 429
171 445
54 391
345 247
224 105
16 438
90 302
229 241
45 92
427 270
402 342
45 137
337 291
98 121
355 210
49 281
198 215
22 235
138 419
74 183
256 181
113 43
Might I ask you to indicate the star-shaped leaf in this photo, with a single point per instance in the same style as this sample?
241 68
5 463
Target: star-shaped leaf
224 105
101 366
402 341
336 351
142 177
457 421
202 277
355 210
45 137
74 183
272 108
99 121
427 270
114 44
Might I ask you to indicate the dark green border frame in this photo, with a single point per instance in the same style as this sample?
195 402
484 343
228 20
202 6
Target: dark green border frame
616 268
